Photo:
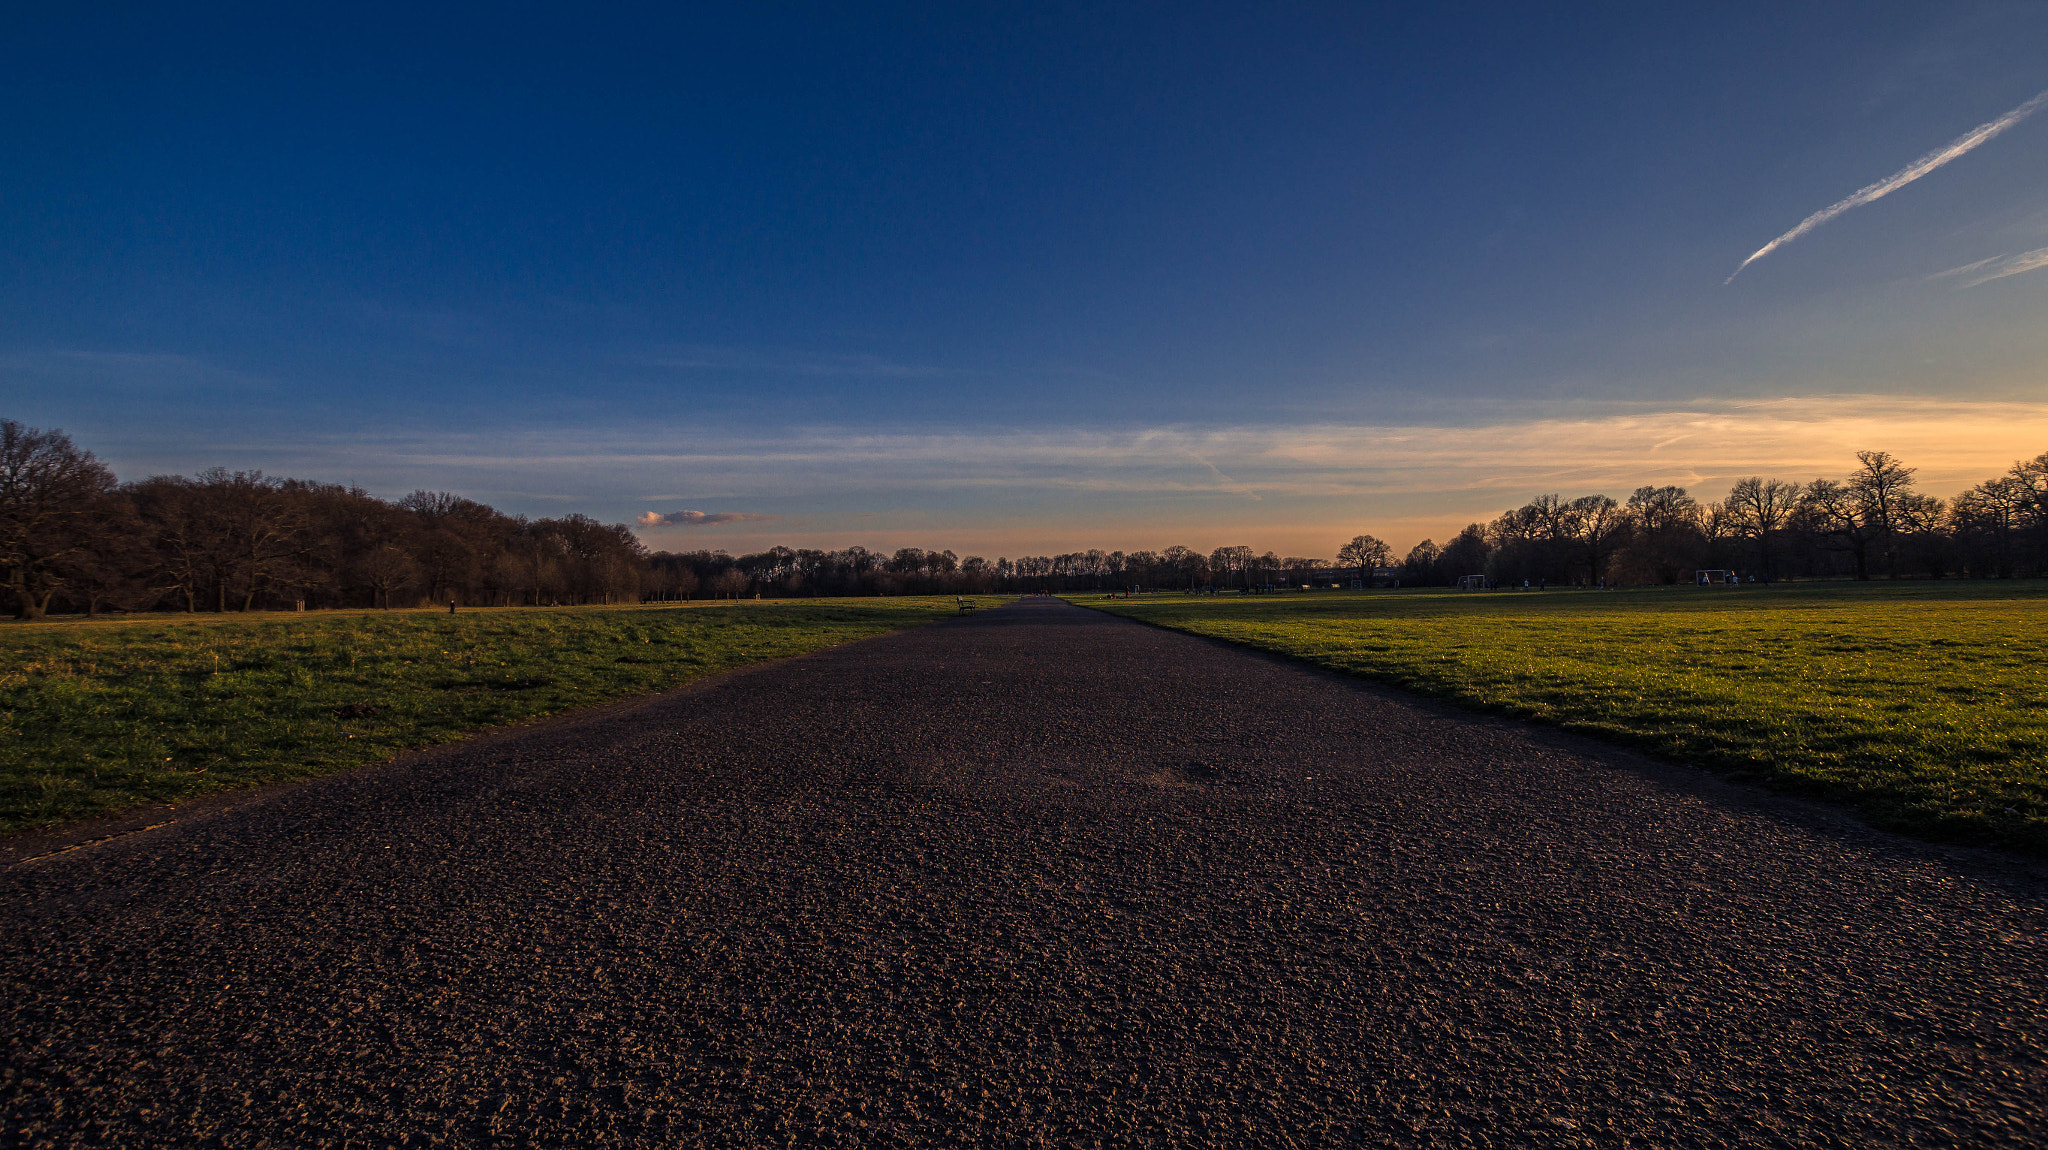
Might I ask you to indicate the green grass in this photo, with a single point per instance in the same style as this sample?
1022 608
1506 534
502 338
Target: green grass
98 715
1923 704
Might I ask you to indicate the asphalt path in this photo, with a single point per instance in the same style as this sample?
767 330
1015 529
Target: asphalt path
1034 877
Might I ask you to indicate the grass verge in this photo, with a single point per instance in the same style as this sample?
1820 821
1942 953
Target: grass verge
1923 704
98 715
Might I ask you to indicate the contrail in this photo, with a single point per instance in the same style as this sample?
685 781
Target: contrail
1997 268
1961 146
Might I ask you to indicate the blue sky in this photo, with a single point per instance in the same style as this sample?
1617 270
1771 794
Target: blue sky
1023 277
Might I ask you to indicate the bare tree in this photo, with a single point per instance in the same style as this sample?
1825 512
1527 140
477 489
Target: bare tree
1226 561
254 532
1241 558
1838 515
385 569
49 492
1759 509
377 545
1599 526
2030 477
1995 515
1300 568
1883 488
1365 552
1667 531
683 582
1523 541
1469 554
112 568
456 538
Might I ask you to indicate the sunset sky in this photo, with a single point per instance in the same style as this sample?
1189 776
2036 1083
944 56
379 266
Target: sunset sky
1029 278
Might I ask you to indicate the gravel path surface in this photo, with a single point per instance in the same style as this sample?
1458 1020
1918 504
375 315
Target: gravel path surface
1035 877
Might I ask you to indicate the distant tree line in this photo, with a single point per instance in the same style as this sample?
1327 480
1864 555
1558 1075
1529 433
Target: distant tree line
75 539
1872 522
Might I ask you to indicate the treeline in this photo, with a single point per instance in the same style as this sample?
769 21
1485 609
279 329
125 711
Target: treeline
75 539
1872 522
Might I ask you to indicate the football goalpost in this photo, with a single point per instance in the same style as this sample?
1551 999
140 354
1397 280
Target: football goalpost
1471 582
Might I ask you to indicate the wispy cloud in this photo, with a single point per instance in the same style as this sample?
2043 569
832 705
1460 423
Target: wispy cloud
699 518
1950 440
1995 268
1955 149
778 361
1288 484
127 372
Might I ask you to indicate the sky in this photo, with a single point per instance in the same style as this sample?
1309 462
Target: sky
1019 279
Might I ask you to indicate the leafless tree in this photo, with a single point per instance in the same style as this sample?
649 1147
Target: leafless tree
1883 489
254 534
1759 510
1229 561
1599 527
1667 538
50 490
1366 553
1468 554
1994 513
1838 515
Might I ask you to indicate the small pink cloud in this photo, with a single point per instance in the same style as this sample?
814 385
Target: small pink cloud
698 518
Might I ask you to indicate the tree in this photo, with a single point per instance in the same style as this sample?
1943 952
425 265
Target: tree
175 535
1597 524
384 569
1365 552
600 562
1875 507
1758 509
1423 565
1667 531
1839 516
2029 479
1883 487
49 492
1920 526
254 533
1300 568
1225 561
1468 554
458 541
1987 517
1520 542
376 541
111 569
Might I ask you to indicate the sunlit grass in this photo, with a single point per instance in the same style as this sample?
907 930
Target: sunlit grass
1926 705
98 715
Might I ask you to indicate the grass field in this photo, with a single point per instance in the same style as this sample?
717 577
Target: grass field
97 715
1924 704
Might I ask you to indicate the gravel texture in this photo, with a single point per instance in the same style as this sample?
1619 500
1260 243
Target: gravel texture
1035 877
